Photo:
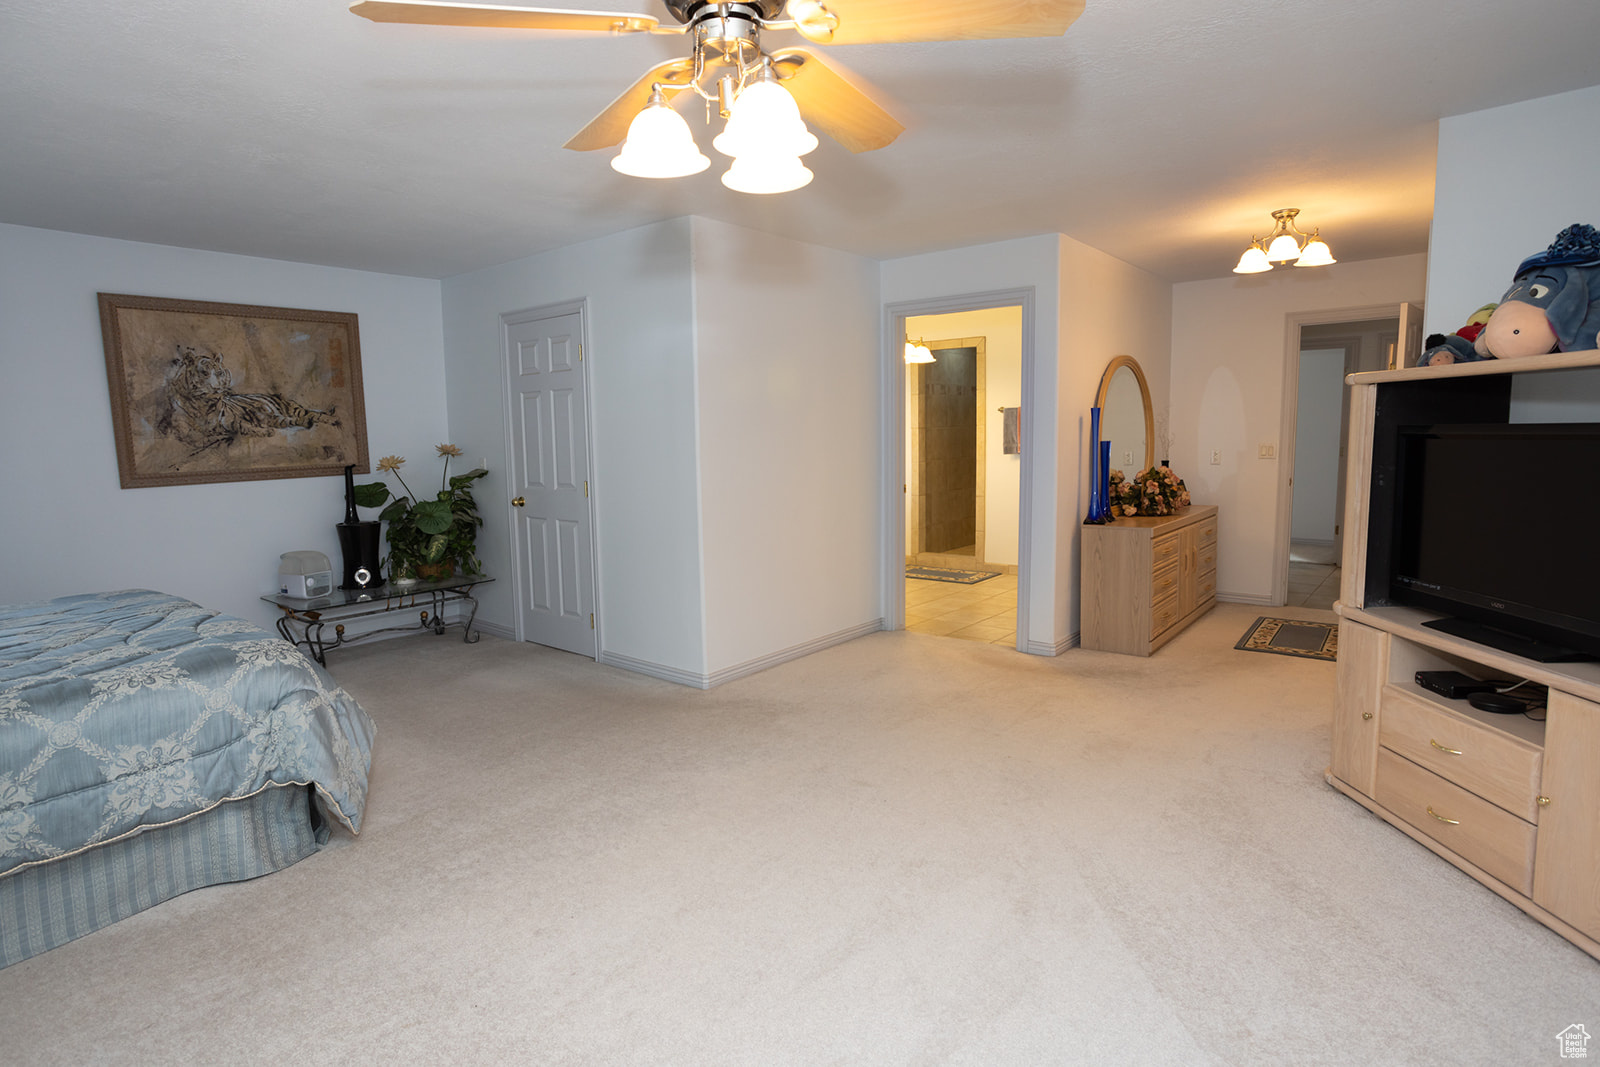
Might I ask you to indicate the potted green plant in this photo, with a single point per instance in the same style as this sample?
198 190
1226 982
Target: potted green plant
428 539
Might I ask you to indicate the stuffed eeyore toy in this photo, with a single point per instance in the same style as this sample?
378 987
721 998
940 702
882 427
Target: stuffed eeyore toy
1553 305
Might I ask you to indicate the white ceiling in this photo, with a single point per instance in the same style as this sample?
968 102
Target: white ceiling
1162 133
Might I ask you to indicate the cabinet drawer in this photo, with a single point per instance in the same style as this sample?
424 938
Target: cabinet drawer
1163 613
1205 586
1476 830
1164 582
1498 767
1206 534
1162 550
1206 558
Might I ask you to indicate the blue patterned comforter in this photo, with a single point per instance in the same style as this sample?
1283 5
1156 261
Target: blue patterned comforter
121 711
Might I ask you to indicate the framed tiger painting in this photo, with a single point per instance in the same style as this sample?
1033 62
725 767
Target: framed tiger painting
206 392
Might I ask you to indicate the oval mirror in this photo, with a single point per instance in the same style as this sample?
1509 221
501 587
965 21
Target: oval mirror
1125 417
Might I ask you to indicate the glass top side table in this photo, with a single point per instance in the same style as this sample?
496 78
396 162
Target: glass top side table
305 619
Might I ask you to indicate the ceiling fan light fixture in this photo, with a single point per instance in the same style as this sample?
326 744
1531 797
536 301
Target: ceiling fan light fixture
767 174
659 144
765 120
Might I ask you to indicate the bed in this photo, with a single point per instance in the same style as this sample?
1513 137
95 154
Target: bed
149 746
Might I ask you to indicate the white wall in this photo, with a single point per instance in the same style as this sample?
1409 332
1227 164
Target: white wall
788 400
1108 309
1001 329
1493 209
1316 445
1509 179
1027 263
645 463
1229 339
69 527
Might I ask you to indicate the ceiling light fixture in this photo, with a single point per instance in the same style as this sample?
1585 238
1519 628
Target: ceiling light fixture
918 352
766 137
1286 242
659 144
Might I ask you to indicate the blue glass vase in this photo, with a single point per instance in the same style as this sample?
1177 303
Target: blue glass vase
1099 507
1105 482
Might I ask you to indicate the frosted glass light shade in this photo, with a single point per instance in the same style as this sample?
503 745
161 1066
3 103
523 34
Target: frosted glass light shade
918 353
764 119
1317 254
766 174
659 145
1254 261
1283 247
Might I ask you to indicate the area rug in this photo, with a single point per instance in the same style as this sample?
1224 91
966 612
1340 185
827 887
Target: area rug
941 574
1292 637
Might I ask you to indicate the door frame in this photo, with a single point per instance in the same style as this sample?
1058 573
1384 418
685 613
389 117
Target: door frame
579 307
1289 404
892 446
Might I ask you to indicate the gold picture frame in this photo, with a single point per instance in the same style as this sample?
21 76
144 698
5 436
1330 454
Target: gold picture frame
208 392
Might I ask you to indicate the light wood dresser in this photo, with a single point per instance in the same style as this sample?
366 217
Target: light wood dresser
1513 802
1145 578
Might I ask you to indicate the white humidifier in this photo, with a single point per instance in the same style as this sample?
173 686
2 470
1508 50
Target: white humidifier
305 574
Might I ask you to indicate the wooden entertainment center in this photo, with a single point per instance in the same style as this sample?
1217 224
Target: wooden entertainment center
1512 801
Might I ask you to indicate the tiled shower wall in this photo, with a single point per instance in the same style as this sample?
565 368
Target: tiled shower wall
945 412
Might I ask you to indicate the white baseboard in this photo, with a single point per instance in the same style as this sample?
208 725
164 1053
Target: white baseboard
495 630
654 670
1262 600
728 674
1045 648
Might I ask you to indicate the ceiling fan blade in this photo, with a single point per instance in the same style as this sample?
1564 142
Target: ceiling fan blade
830 103
610 127
880 21
439 13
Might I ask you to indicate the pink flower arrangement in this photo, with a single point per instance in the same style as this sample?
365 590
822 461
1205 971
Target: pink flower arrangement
1157 491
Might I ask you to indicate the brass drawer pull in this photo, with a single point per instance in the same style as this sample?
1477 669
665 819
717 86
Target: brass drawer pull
1441 818
1441 748
1366 716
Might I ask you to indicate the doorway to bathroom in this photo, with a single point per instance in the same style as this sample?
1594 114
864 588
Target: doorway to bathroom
963 475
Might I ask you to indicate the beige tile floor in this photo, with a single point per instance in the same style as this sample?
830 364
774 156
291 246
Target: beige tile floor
984 612
1313 576
988 611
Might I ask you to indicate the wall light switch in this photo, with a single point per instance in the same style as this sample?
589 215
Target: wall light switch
1269 451
1216 457
1127 457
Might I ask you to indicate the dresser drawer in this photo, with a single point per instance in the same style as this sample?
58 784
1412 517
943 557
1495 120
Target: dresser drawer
1206 534
1476 830
1163 550
1205 586
1498 767
1206 558
1164 581
1163 614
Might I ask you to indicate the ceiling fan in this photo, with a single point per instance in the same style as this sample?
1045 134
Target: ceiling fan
727 55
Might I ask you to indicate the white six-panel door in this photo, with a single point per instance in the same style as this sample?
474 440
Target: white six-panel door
550 479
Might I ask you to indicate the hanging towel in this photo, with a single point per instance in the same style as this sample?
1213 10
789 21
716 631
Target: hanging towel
1012 431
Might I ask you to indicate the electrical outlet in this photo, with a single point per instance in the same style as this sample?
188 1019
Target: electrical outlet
1269 451
1216 457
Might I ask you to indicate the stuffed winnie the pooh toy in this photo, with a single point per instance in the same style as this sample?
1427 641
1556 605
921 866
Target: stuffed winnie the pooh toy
1553 305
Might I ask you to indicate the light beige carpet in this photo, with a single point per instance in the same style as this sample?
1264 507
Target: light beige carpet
904 850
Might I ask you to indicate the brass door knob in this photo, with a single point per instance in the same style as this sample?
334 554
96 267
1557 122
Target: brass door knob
518 502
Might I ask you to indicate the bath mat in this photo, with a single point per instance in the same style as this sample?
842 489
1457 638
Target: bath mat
941 574
1292 637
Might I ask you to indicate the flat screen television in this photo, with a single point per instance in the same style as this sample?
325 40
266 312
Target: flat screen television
1497 527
